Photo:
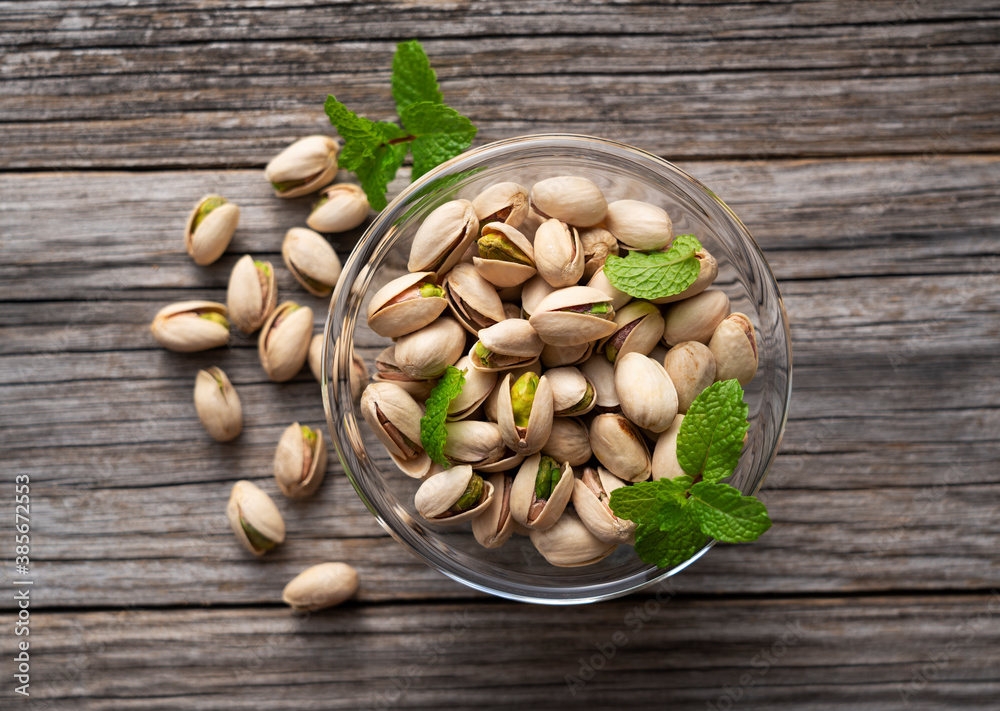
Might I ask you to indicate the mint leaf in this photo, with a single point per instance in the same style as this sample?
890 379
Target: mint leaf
711 436
413 79
656 275
432 429
377 172
670 541
439 133
643 501
722 512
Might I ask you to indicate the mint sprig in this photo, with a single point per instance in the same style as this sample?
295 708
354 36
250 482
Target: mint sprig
676 517
432 429
434 131
656 275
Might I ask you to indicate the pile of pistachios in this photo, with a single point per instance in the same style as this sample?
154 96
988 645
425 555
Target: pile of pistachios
285 342
569 388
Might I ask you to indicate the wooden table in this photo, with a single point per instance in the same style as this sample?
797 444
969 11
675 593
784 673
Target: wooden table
860 143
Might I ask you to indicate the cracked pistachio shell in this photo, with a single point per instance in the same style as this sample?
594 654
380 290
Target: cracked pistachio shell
321 586
500 273
394 417
534 291
558 253
283 343
696 318
504 202
526 509
472 299
640 327
601 373
648 397
570 544
691 367
311 260
597 244
340 208
474 443
569 441
299 464
513 339
600 282
252 293
639 225
218 404
490 404
443 237
572 393
303 167
591 495
734 345
665 464
254 518
559 327
557 356
511 310
387 371
400 307
427 352
620 447
190 326
209 229
530 439
572 199
707 272
441 491
478 386
509 460
493 527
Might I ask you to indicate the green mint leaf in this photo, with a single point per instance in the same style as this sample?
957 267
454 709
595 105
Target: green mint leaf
711 436
432 429
656 275
670 541
722 512
377 172
643 502
413 79
439 133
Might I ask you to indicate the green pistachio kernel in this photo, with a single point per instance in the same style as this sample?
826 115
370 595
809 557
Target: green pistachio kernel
288 184
263 267
611 353
522 396
548 476
483 353
496 246
601 308
215 318
258 540
473 492
308 435
205 208
588 397
431 290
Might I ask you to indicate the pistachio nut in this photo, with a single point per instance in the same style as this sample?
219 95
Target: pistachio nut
570 198
300 461
443 237
478 386
512 343
190 326
427 352
708 270
511 310
406 304
601 374
535 289
696 318
387 371
505 256
303 167
311 260
572 316
472 299
597 244
648 397
572 393
524 412
283 343
734 345
474 443
570 544
254 518
490 404
217 404
321 586
691 367
558 253
394 417
507 461
541 490
453 496
340 208
640 327
665 464
557 356
504 202
568 441
591 499
252 293
210 227
493 527
601 282
639 225
620 447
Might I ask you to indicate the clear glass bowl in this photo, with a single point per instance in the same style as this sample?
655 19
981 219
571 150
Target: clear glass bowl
516 570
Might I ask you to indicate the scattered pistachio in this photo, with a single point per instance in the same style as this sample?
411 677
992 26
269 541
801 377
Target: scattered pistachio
254 518
321 586
217 404
210 227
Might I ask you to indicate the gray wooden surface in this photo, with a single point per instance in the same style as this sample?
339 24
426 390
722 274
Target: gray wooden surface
858 141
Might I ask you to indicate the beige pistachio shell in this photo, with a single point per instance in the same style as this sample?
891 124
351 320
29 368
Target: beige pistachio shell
567 328
441 491
691 367
387 371
695 319
399 308
252 293
601 373
569 441
558 253
525 440
620 447
572 393
509 460
474 442
394 417
472 299
303 167
558 356
513 339
600 282
502 274
665 464
570 544
648 397
591 497
321 586
299 466
708 271
283 343
534 291
427 352
182 327
734 345
490 405
443 237
639 329
478 386
511 310
639 225
207 242
572 199
494 526
340 208
531 222
311 260
218 404
522 495
504 202
254 518
597 244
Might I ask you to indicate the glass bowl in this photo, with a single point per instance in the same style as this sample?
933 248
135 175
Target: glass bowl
516 570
